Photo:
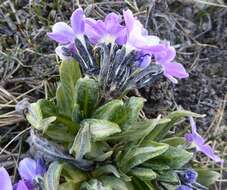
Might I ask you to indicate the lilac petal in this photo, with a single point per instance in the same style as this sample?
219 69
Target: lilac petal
166 55
77 21
40 167
175 69
5 182
199 142
171 78
207 150
27 169
94 30
62 33
196 137
112 23
21 185
122 38
129 19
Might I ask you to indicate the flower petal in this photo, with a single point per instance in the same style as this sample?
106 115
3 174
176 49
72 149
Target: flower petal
77 21
175 69
27 169
5 182
95 30
62 33
112 23
166 55
40 167
21 185
207 150
171 78
129 19
199 142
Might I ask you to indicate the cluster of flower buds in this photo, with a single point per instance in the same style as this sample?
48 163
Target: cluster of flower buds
30 170
118 50
188 179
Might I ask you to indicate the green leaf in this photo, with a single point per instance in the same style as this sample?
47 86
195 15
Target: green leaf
59 133
164 186
76 116
87 95
168 176
133 107
142 185
101 129
35 117
69 74
138 155
100 151
109 110
143 173
71 174
174 141
156 165
162 130
113 183
106 169
206 176
82 142
176 157
93 184
69 186
139 130
52 176
49 109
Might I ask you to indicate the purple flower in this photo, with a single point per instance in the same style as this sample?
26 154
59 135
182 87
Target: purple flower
189 176
184 187
172 69
28 170
199 142
5 182
163 53
108 31
65 34
137 37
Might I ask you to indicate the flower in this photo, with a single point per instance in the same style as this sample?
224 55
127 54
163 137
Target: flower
137 37
65 34
108 31
184 187
28 170
163 53
5 182
189 176
165 57
199 142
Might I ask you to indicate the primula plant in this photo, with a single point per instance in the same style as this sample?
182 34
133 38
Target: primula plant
93 136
